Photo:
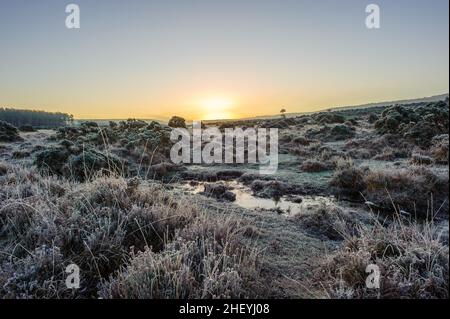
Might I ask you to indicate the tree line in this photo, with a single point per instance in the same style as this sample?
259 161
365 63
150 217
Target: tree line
34 118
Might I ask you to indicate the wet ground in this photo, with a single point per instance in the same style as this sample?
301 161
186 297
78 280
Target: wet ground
245 199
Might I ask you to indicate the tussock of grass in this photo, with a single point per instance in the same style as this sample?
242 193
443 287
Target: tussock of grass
412 259
315 166
348 178
328 222
439 149
420 159
415 191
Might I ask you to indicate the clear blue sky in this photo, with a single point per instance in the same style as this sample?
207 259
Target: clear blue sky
206 58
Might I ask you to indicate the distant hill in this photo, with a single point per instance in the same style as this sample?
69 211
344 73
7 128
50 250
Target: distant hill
433 98
268 117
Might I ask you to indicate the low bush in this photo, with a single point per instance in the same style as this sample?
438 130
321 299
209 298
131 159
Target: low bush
416 123
9 133
27 128
177 122
349 179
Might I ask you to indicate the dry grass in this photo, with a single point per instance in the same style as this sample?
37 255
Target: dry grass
348 179
315 166
412 259
328 222
439 149
414 191
203 262
102 225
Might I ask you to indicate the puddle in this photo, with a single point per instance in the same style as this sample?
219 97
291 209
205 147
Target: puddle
245 199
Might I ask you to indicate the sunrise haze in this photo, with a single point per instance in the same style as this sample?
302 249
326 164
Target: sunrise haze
218 59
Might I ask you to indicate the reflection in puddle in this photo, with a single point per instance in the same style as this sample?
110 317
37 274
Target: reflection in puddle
244 198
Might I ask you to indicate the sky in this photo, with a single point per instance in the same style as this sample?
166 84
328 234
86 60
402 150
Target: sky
205 59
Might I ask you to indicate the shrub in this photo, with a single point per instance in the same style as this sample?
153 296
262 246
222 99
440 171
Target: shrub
20 154
27 128
385 147
342 131
177 121
8 133
52 160
84 165
372 118
112 124
418 124
329 118
336 132
4 168
348 179
439 149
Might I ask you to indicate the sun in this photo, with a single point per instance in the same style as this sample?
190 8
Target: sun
217 108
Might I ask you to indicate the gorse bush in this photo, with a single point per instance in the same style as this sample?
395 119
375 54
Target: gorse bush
177 122
8 133
329 118
416 123
27 128
78 164
137 144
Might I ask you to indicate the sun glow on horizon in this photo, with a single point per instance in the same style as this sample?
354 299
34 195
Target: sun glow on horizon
217 108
